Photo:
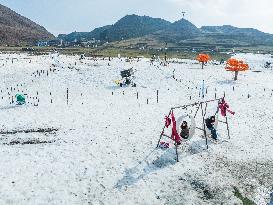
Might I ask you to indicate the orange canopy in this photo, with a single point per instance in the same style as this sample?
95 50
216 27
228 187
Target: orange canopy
203 58
236 65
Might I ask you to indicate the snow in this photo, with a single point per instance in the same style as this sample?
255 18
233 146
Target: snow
257 61
104 149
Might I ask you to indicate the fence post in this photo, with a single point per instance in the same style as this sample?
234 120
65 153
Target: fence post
67 96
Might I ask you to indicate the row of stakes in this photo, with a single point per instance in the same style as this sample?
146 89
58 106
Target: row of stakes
147 100
233 88
51 101
36 98
12 61
190 97
38 73
157 96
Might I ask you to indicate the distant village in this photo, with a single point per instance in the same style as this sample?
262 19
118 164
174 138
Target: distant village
76 43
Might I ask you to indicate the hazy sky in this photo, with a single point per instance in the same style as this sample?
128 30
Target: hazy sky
65 16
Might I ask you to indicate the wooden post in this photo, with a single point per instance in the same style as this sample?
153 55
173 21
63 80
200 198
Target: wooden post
163 131
204 125
50 97
157 96
176 151
228 127
67 96
197 111
137 95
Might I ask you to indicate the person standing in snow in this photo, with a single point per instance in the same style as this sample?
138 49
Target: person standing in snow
210 125
185 132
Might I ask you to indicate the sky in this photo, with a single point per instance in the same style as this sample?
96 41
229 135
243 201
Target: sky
66 16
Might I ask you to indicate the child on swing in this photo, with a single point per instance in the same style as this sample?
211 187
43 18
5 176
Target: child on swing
210 125
185 132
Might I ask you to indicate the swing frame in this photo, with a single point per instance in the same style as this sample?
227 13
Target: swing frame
200 105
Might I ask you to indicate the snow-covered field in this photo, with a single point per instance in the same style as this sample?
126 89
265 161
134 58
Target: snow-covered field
98 147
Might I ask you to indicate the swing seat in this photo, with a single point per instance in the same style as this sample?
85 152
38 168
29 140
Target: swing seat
208 132
192 126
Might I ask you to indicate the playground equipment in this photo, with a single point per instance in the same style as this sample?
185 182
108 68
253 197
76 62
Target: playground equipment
201 107
192 127
127 78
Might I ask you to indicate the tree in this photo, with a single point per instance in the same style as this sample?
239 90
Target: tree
236 66
203 58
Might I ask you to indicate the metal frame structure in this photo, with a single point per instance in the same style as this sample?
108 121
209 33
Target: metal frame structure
200 105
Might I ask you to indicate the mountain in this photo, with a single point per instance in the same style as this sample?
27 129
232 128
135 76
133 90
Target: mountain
244 35
81 36
16 29
142 30
133 26
179 30
130 26
74 36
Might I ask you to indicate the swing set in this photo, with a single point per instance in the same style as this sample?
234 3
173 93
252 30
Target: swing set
200 106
